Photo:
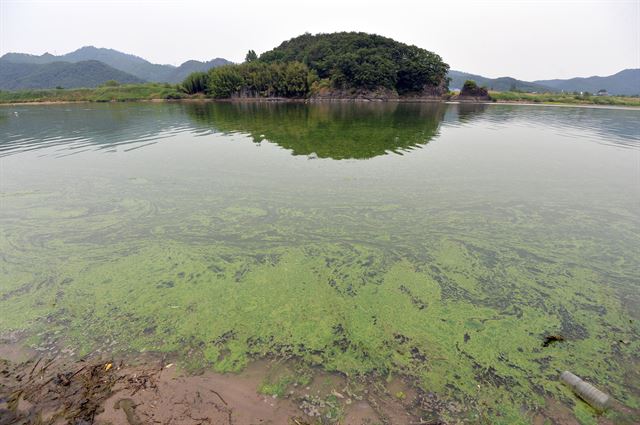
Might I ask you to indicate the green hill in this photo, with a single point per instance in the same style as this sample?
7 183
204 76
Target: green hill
17 76
367 61
124 62
626 82
181 72
498 84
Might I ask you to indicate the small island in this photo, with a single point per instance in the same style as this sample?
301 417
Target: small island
343 65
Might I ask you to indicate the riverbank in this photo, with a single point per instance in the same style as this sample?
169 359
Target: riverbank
563 99
166 92
150 388
120 93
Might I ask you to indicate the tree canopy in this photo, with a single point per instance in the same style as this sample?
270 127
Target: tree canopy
259 79
251 56
343 60
360 60
196 82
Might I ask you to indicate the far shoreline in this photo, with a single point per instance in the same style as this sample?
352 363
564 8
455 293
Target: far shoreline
324 100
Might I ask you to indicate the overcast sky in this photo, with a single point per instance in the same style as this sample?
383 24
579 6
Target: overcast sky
525 39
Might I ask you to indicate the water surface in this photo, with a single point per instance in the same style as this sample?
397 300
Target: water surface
437 242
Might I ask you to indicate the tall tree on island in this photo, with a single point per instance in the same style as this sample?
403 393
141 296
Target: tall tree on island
251 56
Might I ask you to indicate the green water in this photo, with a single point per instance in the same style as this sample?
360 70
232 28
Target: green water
436 242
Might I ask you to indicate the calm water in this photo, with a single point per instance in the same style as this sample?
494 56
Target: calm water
438 242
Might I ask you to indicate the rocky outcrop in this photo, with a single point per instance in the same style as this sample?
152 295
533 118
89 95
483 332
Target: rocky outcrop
428 93
379 94
472 92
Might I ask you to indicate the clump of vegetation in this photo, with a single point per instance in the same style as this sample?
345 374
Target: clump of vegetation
251 56
471 89
565 98
470 85
275 387
111 83
196 82
259 79
105 93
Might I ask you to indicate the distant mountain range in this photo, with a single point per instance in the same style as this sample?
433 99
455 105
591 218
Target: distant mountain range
498 84
626 82
16 76
124 68
91 66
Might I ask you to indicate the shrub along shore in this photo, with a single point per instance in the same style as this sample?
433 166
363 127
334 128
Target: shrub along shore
164 92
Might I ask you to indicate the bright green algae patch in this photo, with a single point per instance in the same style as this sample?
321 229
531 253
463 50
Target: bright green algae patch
455 294
465 319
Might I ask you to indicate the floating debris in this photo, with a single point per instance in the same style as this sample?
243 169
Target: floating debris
550 339
596 398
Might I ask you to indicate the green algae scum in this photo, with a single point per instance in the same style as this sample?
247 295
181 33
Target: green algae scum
436 244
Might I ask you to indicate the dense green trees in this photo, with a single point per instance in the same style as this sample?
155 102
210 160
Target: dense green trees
360 60
345 60
224 81
259 79
196 82
251 56
469 85
27 76
252 79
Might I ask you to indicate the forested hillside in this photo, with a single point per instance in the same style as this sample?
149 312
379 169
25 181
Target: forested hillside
360 60
498 84
17 76
345 62
130 64
626 82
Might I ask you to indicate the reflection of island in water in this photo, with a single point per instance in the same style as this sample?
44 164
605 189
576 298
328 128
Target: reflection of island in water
327 130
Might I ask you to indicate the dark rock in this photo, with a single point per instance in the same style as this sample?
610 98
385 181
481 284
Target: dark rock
472 92
550 339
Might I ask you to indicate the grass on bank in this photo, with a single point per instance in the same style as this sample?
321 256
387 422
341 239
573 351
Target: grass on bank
105 93
565 98
163 91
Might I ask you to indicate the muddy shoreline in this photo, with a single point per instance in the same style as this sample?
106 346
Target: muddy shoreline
152 388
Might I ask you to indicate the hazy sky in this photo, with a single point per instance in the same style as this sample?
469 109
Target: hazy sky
524 39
